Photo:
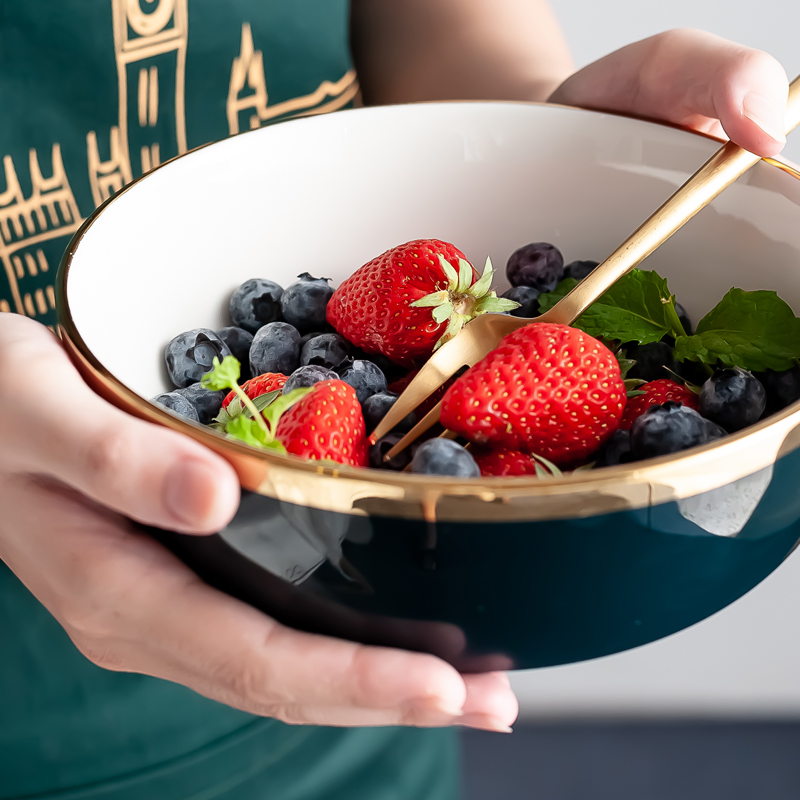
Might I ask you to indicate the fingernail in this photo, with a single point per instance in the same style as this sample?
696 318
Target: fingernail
484 722
187 489
765 114
431 711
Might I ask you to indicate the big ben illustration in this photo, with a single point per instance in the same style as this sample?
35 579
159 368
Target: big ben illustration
150 39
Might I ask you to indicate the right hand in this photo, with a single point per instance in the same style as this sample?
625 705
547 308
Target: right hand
74 470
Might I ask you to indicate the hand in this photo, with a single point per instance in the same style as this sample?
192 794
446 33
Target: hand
691 78
73 469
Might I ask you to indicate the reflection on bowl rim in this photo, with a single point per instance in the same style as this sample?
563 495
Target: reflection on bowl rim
359 490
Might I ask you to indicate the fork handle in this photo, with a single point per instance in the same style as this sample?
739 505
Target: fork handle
719 172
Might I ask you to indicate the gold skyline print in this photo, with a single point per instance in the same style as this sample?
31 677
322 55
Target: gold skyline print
150 50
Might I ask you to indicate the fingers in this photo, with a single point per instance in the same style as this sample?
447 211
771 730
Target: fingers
60 428
691 78
130 605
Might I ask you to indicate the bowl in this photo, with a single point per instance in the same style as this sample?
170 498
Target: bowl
486 573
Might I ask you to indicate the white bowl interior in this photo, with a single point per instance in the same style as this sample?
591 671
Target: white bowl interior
324 195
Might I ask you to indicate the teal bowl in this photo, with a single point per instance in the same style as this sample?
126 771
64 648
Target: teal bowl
508 573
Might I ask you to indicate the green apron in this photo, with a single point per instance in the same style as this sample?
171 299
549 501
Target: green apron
92 94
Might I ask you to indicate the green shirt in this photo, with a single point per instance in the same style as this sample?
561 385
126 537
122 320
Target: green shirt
92 94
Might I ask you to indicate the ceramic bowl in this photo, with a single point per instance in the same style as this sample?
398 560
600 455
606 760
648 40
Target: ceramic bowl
514 572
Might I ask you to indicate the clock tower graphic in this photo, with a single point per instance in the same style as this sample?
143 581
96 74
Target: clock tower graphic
150 40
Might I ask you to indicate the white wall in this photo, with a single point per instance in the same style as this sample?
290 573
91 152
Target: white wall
744 661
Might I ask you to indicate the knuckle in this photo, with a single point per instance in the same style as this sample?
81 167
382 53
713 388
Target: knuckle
288 713
248 681
108 454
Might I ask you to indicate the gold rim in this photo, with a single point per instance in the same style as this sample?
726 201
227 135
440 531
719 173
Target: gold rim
367 491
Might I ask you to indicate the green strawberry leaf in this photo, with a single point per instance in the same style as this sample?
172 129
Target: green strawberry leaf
263 400
637 308
752 330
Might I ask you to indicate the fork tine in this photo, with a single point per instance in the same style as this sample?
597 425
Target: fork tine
428 421
444 363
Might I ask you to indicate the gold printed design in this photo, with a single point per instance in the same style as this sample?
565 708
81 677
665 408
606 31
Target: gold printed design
248 91
50 211
150 49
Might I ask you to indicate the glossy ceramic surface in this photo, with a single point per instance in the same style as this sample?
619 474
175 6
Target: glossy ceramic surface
513 572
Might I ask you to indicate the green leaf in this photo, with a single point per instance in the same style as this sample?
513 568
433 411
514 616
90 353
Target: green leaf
638 308
247 430
484 283
452 276
443 312
465 275
223 375
264 400
273 412
752 330
431 300
494 304
625 365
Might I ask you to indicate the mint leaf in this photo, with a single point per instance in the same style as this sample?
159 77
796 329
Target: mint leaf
247 430
637 308
223 375
752 330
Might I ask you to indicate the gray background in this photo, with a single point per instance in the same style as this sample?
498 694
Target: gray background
744 662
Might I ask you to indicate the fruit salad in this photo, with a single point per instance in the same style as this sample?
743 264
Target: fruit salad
311 370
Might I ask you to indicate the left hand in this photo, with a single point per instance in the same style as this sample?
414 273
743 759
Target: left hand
690 78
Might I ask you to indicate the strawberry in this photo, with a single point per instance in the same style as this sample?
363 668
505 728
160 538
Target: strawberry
504 462
255 387
656 393
399 386
326 424
410 300
546 389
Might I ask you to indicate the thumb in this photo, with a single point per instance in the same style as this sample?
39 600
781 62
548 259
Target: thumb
691 78
62 429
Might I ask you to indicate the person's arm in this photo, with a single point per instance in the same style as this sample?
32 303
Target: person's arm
514 50
413 50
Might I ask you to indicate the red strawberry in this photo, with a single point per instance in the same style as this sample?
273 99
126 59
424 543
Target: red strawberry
398 387
656 393
326 424
255 387
410 299
547 389
503 462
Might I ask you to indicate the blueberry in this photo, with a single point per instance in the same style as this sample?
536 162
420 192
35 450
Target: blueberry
327 350
733 398
617 450
653 361
684 318
579 269
206 403
190 355
364 377
715 431
238 341
444 457
275 348
308 336
308 376
391 370
304 302
528 299
783 388
255 303
377 406
538 264
667 428
177 403
378 450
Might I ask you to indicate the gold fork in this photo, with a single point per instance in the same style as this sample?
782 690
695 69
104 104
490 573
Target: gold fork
483 334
